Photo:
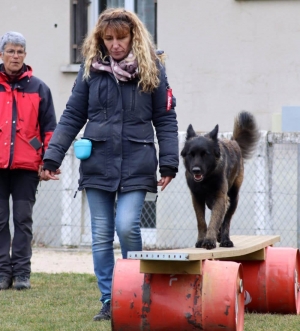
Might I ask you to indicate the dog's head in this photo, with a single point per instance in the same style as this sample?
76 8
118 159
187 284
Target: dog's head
201 153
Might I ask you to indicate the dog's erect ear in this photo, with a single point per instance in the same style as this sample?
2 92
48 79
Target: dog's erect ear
190 133
214 133
217 150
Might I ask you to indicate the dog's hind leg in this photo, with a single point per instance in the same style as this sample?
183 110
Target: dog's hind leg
199 207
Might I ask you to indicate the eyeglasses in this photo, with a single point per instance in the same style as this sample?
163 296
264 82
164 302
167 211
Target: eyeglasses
12 52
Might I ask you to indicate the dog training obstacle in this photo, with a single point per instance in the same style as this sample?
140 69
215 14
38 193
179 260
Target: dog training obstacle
211 301
272 285
184 289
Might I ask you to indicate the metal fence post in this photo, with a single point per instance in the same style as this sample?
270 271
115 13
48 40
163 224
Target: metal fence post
262 215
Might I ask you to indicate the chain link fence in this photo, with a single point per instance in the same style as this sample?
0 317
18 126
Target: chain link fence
268 205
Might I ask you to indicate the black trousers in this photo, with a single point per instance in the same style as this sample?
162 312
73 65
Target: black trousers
21 185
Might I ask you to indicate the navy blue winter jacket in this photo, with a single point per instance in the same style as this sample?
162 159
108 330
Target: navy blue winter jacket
119 121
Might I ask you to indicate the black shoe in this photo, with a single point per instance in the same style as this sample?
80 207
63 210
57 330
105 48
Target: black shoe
5 282
21 283
104 313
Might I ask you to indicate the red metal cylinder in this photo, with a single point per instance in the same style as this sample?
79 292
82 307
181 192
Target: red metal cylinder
272 286
160 302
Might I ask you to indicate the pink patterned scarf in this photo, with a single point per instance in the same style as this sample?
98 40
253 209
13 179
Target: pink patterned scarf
125 70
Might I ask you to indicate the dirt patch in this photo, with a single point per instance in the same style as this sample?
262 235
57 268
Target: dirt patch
64 260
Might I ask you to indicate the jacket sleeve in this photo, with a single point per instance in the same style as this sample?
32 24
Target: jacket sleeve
165 123
47 118
71 122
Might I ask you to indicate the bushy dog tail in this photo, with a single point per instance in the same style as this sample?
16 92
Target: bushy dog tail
246 133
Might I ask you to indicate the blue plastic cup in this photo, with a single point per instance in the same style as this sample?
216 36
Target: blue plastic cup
83 148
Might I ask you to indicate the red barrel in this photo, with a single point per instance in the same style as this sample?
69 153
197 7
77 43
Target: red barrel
152 302
271 286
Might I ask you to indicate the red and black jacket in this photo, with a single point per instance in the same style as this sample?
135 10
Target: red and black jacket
26 112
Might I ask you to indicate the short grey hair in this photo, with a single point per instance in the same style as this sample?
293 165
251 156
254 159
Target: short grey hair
12 37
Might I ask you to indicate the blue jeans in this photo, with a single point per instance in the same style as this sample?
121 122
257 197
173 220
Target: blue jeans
104 222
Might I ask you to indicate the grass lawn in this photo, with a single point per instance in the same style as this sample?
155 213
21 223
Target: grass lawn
61 302
68 302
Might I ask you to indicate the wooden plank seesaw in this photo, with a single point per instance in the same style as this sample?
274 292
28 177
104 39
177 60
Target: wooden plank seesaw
189 260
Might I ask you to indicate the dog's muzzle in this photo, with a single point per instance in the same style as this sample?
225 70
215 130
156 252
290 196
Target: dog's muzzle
198 177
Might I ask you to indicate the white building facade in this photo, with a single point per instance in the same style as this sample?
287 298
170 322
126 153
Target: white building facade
223 55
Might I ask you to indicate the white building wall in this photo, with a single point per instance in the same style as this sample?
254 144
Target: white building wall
226 55
223 55
46 27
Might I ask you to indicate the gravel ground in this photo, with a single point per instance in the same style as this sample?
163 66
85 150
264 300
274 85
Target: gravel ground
64 260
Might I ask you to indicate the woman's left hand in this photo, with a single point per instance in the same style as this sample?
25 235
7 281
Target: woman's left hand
164 181
47 174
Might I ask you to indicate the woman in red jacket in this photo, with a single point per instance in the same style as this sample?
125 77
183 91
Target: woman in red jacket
27 121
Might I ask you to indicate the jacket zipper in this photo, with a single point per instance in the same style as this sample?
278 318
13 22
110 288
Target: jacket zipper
116 78
13 127
133 97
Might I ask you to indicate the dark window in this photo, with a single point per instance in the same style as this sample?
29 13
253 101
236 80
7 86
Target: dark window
146 10
79 27
102 5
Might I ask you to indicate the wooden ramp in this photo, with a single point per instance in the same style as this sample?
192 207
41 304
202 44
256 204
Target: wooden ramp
189 260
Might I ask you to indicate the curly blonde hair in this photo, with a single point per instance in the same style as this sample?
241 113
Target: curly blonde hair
121 22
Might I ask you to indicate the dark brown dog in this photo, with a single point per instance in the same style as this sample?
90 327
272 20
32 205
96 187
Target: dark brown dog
214 174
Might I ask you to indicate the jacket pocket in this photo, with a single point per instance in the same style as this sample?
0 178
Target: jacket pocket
25 155
27 137
142 157
96 164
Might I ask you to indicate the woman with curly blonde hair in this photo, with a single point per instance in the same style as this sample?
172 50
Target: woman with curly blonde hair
121 93
124 22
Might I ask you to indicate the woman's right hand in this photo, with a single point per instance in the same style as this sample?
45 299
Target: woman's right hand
47 174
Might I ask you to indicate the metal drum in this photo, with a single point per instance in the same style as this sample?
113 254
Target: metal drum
152 302
272 286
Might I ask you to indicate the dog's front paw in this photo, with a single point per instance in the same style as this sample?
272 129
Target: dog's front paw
199 243
209 243
226 243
